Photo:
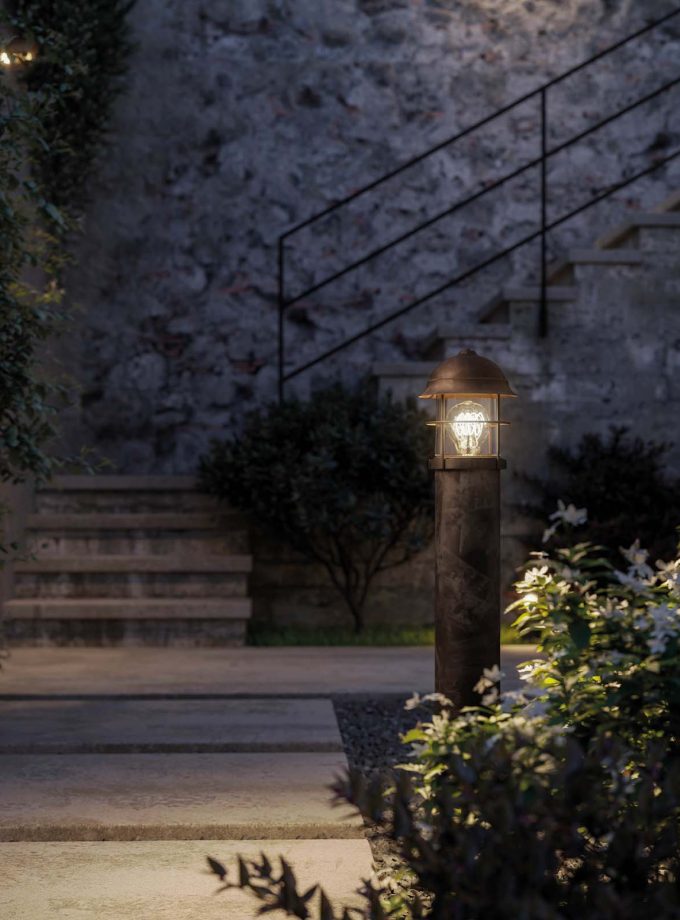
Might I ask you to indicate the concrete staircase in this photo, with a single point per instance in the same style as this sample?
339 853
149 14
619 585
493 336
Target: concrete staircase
611 355
130 560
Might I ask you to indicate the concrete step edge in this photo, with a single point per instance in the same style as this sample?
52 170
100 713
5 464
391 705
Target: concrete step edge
97 608
596 256
109 483
301 830
532 292
660 219
672 203
124 520
238 563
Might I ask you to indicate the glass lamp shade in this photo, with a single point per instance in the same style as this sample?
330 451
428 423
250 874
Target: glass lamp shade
468 390
467 426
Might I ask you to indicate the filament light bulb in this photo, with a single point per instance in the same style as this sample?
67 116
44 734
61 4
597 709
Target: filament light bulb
467 422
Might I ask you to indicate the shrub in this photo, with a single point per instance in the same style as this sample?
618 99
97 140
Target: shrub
561 802
622 482
343 478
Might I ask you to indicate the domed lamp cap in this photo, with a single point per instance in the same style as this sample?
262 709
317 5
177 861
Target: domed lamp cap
467 374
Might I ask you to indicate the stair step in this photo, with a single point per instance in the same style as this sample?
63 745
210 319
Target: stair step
594 256
117 608
126 494
135 564
667 219
606 256
100 483
149 520
54 543
533 292
672 203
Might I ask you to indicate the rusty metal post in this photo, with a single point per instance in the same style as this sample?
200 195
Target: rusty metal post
467 579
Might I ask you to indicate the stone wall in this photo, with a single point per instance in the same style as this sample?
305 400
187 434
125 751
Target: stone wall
242 117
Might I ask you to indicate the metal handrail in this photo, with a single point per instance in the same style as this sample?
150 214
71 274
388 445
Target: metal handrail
545 226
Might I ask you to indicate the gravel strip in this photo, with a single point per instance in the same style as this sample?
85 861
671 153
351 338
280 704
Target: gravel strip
370 730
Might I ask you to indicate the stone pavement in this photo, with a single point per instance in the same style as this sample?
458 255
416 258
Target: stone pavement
122 769
170 672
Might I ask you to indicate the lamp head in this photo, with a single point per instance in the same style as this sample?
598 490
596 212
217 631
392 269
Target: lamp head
468 389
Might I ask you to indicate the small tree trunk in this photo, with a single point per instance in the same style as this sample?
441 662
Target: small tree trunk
356 608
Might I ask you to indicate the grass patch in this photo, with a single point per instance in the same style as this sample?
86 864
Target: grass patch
372 635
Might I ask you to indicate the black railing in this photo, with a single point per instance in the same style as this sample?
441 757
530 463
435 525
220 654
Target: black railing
546 225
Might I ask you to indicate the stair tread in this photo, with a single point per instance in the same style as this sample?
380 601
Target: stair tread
533 292
131 521
99 608
648 219
607 256
105 483
229 562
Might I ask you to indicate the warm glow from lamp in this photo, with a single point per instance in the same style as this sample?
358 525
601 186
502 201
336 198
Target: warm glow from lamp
5 59
467 421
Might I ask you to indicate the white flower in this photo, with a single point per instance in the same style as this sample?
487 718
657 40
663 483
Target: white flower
665 623
512 698
569 514
413 702
670 571
531 576
631 580
490 698
612 611
549 533
489 678
638 560
527 670
418 700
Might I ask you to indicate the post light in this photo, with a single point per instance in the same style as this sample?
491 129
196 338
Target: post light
468 390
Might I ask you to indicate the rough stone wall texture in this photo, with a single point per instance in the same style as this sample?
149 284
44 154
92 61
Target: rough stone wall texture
242 117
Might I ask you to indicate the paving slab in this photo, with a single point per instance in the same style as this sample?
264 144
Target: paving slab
161 880
167 726
171 797
223 671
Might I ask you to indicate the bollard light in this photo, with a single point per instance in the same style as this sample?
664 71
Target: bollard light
469 390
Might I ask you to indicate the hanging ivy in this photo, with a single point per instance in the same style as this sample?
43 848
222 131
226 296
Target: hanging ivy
82 49
55 102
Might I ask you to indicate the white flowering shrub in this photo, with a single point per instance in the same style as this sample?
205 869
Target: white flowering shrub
611 641
559 802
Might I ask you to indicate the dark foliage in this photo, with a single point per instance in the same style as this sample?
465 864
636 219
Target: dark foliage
343 478
83 46
53 111
621 482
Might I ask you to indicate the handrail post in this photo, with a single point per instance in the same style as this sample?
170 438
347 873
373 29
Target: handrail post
282 307
543 313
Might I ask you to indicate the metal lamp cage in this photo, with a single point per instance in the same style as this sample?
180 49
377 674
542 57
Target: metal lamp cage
468 389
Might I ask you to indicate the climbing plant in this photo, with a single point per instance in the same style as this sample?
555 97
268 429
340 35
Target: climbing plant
54 107
82 47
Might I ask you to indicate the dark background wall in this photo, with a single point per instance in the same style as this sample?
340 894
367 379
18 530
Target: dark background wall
242 117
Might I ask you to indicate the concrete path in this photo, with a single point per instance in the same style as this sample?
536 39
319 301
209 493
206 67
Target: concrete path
171 797
160 880
122 769
228 671
133 726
